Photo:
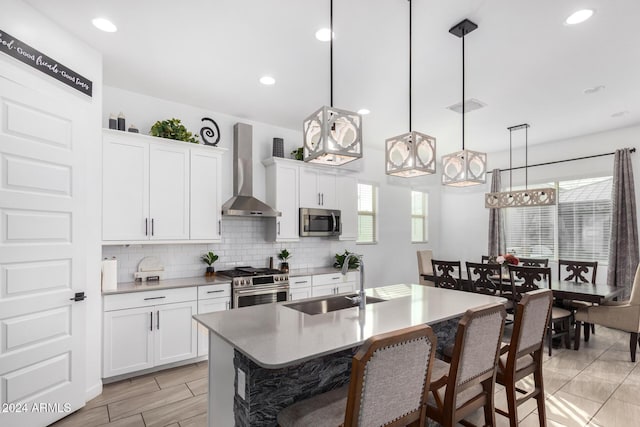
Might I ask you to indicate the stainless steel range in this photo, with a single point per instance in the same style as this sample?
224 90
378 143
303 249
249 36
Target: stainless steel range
253 286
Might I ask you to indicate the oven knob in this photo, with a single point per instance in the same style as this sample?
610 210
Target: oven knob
276 278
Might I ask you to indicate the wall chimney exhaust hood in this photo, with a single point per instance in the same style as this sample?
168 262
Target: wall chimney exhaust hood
243 203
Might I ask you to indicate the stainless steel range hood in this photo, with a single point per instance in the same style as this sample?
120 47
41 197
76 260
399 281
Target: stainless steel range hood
243 203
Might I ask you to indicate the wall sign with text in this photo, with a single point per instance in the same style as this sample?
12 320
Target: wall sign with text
41 62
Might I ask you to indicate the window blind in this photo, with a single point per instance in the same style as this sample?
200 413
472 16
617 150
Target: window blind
366 213
419 216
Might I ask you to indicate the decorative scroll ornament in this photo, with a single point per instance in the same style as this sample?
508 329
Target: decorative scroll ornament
210 135
520 198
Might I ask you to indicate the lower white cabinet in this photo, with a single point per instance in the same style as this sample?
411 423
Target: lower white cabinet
211 298
147 329
334 283
299 287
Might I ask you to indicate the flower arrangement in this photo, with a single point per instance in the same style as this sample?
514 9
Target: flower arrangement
507 258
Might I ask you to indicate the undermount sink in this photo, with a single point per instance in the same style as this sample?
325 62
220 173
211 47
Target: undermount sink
327 305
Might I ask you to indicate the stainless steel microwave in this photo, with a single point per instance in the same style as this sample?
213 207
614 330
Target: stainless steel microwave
319 222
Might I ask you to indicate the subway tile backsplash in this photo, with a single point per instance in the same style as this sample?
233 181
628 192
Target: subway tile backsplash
243 243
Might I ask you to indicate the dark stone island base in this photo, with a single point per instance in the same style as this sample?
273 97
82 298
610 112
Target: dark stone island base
270 390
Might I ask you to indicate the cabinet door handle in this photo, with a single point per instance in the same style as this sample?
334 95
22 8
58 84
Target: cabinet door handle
219 227
215 292
301 281
278 228
228 305
151 323
320 204
158 319
322 199
152 228
146 226
150 298
335 278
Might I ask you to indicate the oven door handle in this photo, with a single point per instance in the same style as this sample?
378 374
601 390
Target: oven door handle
262 290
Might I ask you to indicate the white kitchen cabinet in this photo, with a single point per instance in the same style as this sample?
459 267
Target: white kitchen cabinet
347 202
168 192
211 298
156 190
334 283
205 195
317 188
299 287
283 195
147 329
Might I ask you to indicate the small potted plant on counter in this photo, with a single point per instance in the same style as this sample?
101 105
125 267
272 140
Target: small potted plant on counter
354 262
283 256
209 258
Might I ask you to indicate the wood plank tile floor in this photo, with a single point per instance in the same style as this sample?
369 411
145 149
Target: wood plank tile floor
597 386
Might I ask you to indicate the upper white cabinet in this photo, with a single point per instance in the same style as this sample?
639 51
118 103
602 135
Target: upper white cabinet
283 195
317 188
205 195
155 189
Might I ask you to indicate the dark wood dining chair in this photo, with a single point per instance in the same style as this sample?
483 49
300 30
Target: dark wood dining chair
389 385
467 383
578 272
485 259
522 357
534 262
528 279
447 274
484 278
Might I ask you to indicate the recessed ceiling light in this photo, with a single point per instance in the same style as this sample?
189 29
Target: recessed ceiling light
620 114
323 34
592 90
363 111
579 17
104 25
267 80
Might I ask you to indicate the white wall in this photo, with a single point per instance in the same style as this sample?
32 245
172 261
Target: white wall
22 21
464 217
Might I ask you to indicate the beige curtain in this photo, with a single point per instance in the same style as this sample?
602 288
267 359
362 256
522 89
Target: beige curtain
623 246
497 239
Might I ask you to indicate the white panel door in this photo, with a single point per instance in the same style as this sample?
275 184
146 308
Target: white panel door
205 196
327 190
125 188
300 293
169 192
128 340
43 135
309 194
175 332
322 290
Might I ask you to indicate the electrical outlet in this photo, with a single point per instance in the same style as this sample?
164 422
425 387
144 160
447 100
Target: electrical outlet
242 383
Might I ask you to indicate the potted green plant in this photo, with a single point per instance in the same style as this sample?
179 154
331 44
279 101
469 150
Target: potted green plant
209 258
283 256
353 261
298 153
172 129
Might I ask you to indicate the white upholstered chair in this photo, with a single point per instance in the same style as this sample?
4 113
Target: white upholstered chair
425 267
390 376
624 315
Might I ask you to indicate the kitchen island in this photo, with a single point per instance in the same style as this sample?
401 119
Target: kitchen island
265 357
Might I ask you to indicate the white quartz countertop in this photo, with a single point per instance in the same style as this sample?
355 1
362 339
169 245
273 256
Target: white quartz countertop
276 336
313 271
125 287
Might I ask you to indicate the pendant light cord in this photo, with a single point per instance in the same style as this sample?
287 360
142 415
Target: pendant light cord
463 89
510 159
410 57
331 49
526 157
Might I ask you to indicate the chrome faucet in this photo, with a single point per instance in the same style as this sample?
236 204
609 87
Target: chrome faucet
360 299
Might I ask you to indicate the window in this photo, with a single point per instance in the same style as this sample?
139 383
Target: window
367 207
577 228
419 209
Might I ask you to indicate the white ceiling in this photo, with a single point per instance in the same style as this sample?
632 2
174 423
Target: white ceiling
522 61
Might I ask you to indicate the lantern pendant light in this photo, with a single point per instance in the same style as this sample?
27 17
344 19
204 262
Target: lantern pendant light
520 198
413 153
466 167
332 136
